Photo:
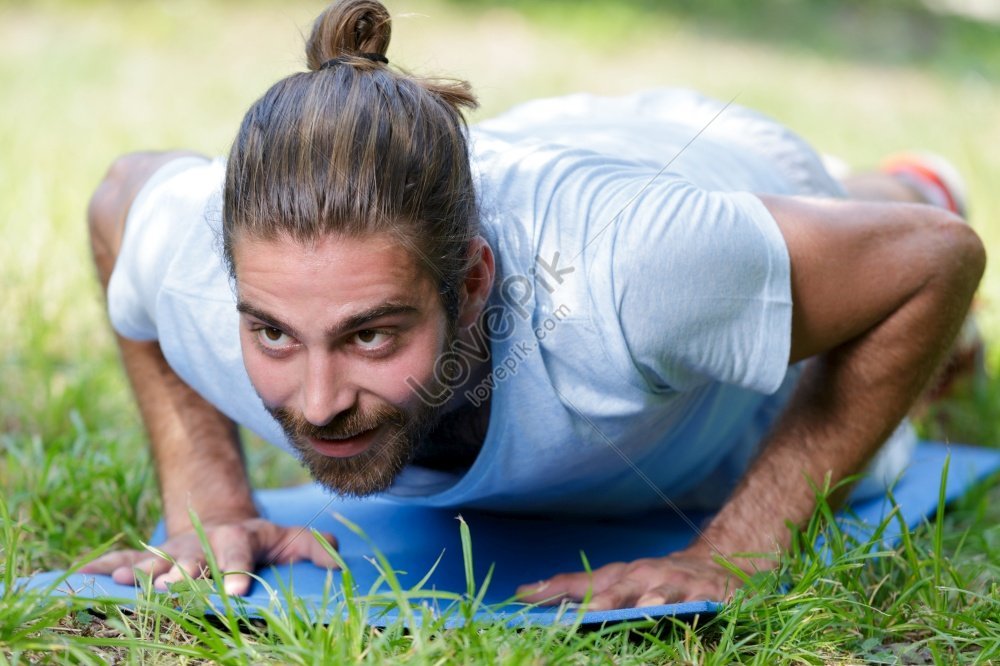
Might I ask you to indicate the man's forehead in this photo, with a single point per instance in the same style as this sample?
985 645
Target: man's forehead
371 256
333 272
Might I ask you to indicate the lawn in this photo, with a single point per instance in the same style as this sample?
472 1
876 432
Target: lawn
84 81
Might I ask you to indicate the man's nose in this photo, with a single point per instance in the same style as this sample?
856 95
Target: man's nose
327 391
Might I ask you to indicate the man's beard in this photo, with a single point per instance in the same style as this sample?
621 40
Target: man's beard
371 471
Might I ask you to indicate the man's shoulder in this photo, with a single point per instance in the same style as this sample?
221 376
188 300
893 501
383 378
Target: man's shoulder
170 242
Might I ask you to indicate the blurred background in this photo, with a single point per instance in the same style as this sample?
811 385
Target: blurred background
84 81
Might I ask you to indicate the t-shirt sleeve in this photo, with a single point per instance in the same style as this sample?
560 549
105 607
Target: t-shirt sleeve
701 280
173 195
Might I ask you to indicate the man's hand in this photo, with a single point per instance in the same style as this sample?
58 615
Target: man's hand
687 575
239 545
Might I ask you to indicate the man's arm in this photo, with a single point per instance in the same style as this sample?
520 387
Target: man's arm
879 292
196 449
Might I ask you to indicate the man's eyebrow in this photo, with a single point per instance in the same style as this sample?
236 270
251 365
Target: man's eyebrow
361 319
270 320
355 321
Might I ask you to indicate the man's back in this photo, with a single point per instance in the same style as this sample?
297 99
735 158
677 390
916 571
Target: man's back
609 271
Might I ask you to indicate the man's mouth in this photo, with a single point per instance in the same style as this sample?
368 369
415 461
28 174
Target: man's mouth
343 447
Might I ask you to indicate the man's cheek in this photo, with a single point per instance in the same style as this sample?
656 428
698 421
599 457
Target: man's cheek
396 387
271 382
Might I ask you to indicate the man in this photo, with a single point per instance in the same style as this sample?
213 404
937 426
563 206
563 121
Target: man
561 327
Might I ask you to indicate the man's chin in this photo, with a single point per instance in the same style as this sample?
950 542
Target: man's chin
366 463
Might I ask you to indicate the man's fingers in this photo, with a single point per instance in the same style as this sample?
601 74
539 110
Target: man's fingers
644 582
193 567
622 594
236 583
573 586
237 548
233 553
233 548
150 565
552 591
709 592
108 562
318 554
617 594
292 544
658 596
125 565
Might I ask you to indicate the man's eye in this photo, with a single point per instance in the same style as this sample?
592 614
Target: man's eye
273 338
370 339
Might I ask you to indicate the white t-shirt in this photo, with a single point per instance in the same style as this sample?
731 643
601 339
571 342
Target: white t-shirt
654 366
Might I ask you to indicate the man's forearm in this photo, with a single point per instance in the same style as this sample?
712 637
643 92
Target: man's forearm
847 403
196 449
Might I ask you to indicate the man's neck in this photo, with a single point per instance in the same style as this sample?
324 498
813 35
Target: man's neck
456 440
474 346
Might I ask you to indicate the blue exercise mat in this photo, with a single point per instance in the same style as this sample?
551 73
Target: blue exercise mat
520 550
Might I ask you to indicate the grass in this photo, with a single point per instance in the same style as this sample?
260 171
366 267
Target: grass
848 597
84 81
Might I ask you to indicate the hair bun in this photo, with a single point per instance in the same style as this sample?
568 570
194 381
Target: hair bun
349 28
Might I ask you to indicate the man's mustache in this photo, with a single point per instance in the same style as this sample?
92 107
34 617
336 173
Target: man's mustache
343 426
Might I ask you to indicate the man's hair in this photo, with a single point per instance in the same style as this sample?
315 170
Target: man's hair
355 147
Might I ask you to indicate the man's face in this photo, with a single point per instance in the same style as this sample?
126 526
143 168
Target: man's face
330 331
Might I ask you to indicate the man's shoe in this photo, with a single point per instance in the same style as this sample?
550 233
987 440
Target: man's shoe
933 177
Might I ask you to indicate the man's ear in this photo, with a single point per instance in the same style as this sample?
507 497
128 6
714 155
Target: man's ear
478 282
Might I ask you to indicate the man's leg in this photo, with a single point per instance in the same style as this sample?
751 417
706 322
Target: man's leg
917 177
880 186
